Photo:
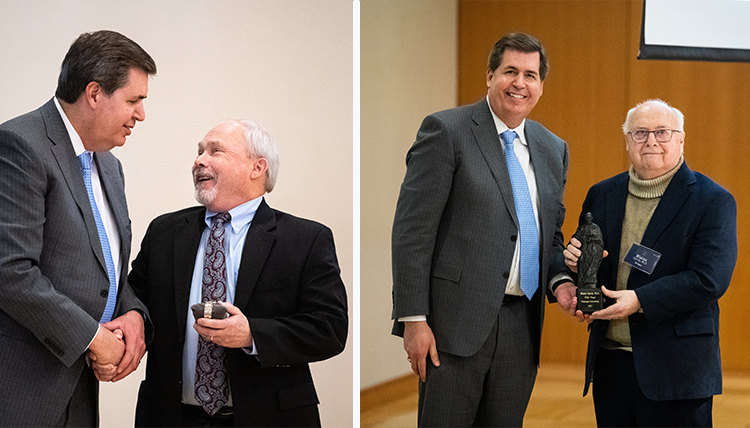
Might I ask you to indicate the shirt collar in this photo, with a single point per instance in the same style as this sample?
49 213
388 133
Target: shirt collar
241 214
502 127
74 137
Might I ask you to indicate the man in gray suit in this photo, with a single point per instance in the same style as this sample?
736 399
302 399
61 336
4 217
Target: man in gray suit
65 239
477 244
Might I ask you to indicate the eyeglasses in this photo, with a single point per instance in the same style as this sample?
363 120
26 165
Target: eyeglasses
661 135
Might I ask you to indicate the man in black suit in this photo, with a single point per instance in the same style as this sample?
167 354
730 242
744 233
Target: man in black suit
476 242
653 356
281 285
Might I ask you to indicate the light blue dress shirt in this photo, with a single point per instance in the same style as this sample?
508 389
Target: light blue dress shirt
234 242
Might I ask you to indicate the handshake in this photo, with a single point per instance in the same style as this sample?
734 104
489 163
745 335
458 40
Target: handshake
118 347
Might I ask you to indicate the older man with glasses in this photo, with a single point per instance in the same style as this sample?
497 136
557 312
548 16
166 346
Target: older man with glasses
670 241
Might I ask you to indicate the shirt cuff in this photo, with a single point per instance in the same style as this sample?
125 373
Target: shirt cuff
558 279
413 318
88 359
98 326
252 350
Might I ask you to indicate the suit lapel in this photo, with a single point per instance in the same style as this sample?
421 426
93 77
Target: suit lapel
258 243
114 191
674 198
485 134
187 239
70 167
612 223
545 186
616 200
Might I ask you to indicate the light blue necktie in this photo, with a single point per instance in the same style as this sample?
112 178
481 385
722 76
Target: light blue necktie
109 309
527 222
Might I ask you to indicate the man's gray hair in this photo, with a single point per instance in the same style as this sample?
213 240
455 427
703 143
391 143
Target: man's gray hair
259 143
675 112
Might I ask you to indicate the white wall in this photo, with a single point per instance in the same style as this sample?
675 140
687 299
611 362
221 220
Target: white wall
286 64
408 70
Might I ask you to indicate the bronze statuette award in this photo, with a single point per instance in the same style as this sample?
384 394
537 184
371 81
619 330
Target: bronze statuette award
592 245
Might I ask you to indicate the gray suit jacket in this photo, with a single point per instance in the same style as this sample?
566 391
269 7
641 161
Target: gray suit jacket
53 278
455 227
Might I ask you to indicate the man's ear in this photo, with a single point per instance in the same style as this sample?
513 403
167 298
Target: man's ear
259 168
92 94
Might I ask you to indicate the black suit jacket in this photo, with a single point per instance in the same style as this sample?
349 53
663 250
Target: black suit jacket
676 338
288 287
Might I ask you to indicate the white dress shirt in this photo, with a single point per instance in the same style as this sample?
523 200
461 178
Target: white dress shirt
101 201
105 212
521 149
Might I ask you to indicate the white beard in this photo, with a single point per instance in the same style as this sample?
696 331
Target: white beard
205 197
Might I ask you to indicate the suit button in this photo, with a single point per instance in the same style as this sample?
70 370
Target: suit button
104 293
506 275
53 345
513 238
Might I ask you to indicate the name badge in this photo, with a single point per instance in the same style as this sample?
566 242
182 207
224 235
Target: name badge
642 258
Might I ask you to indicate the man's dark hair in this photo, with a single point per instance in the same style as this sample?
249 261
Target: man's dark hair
522 43
105 57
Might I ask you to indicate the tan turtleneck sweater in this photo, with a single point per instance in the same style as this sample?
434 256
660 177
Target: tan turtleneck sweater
643 198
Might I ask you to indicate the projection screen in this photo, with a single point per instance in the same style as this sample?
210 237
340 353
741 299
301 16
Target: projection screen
696 30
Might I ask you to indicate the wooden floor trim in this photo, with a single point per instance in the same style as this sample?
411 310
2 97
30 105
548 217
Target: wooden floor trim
387 392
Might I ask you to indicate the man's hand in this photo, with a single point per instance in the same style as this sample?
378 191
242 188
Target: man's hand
568 301
626 304
231 332
418 342
565 294
133 333
106 352
573 251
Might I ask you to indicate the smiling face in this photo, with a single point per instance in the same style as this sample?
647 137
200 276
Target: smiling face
224 173
515 86
653 159
114 116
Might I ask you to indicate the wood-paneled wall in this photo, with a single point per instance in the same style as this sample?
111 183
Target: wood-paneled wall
594 79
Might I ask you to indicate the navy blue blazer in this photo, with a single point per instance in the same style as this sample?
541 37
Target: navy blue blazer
676 338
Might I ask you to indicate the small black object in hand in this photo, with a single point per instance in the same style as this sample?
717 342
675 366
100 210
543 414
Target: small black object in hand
210 309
